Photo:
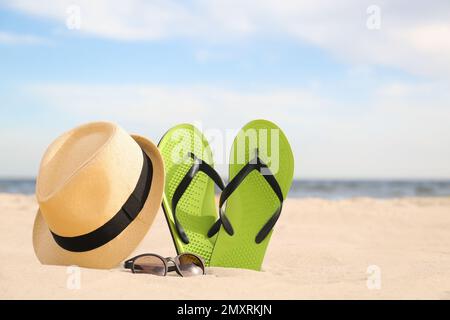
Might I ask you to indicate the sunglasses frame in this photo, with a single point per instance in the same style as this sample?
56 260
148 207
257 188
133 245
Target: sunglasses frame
129 264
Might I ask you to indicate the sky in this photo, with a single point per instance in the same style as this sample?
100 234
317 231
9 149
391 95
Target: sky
360 88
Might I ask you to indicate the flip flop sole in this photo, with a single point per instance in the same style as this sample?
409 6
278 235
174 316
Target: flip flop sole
253 203
196 210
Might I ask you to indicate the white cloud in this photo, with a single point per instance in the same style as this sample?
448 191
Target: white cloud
156 103
152 109
413 36
20 39
429 38
402 132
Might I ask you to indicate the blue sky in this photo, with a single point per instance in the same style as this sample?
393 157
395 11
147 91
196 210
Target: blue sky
355 101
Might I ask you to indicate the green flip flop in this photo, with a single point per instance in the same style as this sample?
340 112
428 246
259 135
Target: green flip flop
261 173
189 197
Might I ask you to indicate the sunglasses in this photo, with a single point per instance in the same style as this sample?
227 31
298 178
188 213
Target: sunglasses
186 265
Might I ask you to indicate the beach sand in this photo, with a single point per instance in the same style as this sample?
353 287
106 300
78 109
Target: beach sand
320 249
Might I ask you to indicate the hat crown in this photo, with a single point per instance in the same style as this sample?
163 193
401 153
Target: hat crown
85 177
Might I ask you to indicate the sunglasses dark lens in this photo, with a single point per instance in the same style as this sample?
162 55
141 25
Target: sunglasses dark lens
150 265
190 265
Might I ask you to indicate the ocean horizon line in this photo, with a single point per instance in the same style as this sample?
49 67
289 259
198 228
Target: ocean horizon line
316 188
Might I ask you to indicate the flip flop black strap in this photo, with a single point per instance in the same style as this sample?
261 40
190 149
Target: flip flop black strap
118 222
197 166
255 164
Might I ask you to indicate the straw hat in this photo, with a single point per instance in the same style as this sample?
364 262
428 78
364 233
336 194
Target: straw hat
99 190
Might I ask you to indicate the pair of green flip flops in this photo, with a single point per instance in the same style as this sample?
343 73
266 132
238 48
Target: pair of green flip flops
261 170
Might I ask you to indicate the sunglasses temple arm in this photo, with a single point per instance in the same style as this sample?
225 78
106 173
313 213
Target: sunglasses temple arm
128 264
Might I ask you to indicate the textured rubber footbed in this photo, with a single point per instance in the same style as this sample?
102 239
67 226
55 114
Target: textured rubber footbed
196 210
253 202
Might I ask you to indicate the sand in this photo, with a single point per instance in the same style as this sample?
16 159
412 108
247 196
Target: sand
320 250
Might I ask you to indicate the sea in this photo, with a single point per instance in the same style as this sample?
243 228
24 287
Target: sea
326 189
